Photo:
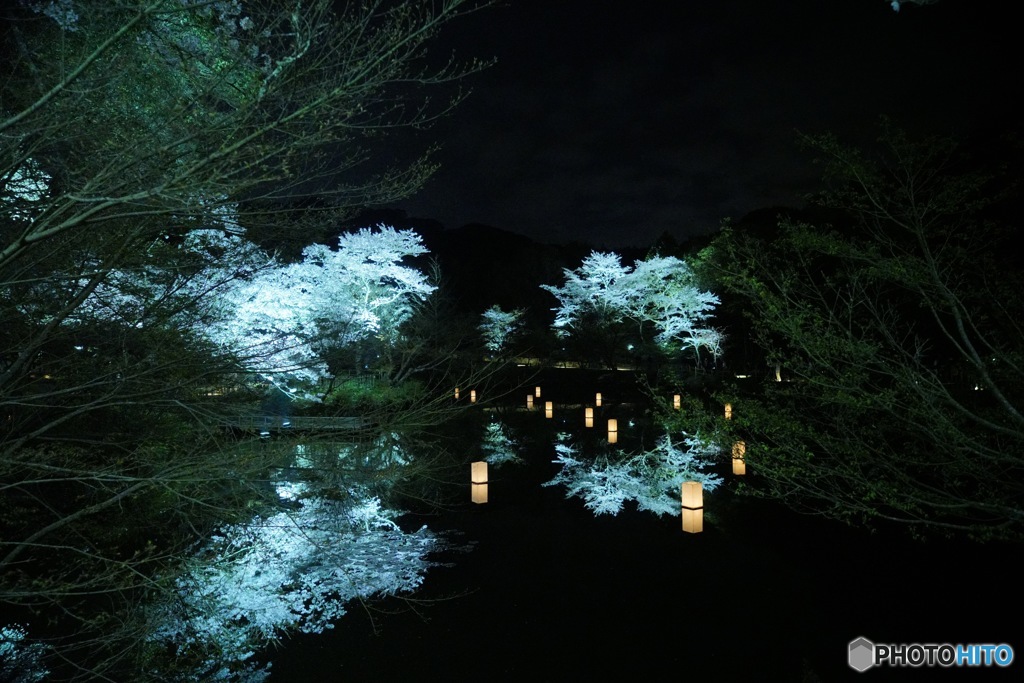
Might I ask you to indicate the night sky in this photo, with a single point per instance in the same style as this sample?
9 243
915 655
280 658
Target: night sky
611 122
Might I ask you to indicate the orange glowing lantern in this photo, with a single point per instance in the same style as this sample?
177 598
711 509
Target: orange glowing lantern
728 411
456 393
536 392
613 431
739 450
472 396
677 401
478 478
549 409
589 417
529 401
597 400
692 494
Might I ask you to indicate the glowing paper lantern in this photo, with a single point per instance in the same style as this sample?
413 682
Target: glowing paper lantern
536 392
529 401
739 465
478 493
677 401
597 400
692 494
478 477
589 417
549 409
456 393
613 431
472 396
728 411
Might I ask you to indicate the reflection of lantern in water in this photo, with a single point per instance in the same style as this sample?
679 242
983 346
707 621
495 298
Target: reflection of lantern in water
692 493
589 417
613 431
478 477
536 392
456 393
728 411
472 396
677 401
739 465
549 409
597 400
529 401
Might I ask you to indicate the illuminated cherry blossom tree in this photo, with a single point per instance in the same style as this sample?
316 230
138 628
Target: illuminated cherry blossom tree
602 296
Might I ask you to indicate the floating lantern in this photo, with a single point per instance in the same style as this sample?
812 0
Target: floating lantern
549 409
589 417
456 393
692 495
478 494
739 450
536 392
677 401
472 396
597 400
529 401
728 411
613 431
478 477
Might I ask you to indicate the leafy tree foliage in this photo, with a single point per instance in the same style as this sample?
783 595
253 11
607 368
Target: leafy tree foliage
143 146
899 326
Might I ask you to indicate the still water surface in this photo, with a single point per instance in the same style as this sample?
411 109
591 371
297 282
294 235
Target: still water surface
549 592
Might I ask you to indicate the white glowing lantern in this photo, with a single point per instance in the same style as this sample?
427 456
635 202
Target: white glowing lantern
536 392
728 411
472 396
529 401
456 393
693 520
613 431
677 401
478 493
778 372
478 477
589 417
549 409
692 494
597 399
739 450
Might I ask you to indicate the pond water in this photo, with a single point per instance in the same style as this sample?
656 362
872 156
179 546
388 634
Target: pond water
549 592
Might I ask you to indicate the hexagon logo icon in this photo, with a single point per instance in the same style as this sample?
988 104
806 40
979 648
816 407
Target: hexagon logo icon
861 654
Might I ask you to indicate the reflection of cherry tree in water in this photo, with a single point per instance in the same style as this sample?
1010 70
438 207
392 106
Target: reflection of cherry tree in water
292 571
650 478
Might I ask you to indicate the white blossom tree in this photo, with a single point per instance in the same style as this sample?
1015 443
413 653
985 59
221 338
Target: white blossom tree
601 296
288 320
499 327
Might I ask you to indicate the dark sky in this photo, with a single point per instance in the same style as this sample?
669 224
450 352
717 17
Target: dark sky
613 122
